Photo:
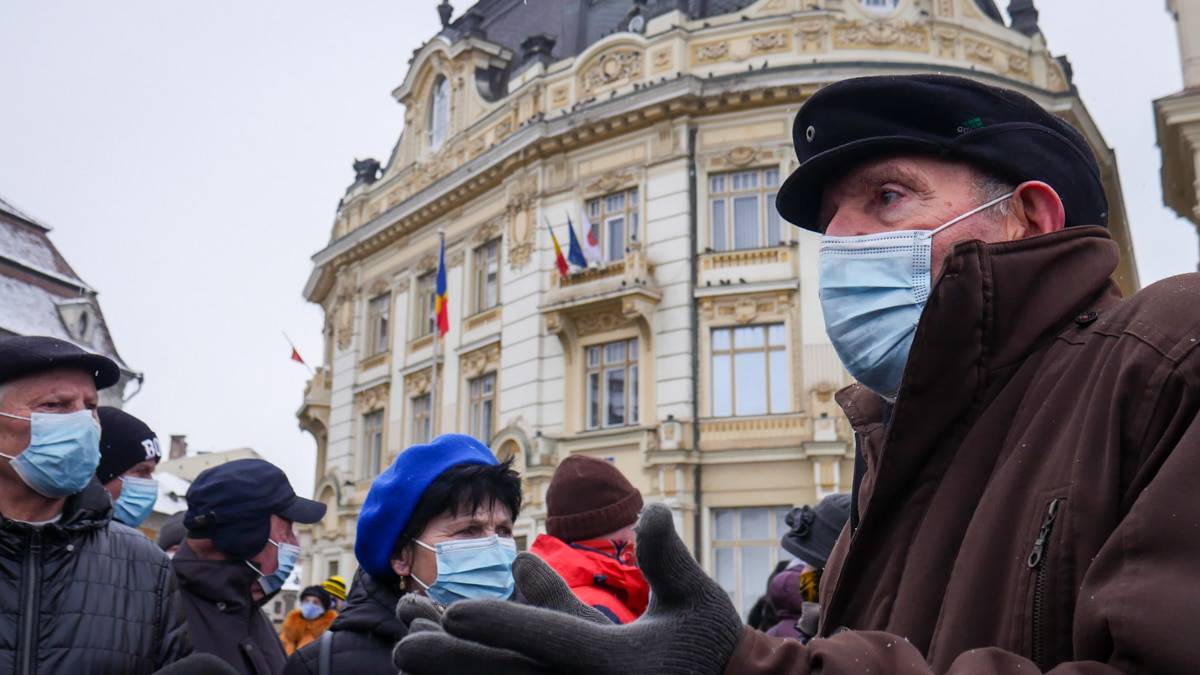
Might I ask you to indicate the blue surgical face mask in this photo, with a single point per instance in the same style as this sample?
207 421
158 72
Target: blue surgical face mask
873 289
63 452
311 611
137 499
471 569
287 556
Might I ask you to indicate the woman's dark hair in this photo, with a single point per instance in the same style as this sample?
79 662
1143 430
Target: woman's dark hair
463 489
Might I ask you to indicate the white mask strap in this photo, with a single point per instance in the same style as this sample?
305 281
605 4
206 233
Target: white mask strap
417 579
425 546
972 212
16 417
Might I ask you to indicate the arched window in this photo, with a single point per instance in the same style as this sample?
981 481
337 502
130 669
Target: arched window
439 113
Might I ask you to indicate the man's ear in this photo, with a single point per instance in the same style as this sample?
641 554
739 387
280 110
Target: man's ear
402 563
1037 209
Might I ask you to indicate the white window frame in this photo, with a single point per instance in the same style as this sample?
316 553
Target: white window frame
595 363
726 190
425 296
767 349
372 445
439 113
487 275
379 312
743 598
481 414
420 412
604 213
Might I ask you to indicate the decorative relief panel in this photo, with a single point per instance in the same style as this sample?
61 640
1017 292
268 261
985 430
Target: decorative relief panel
661 60
372 399
613 68
609 182
518 213
419 382
745 309
601 322
486 232
344 315
710 52
427 263
402 282
880 35
945 7
812 34
560 96
768 43
455 258
947 42
979 52
482 360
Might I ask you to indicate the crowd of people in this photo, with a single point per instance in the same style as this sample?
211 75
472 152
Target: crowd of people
1026 445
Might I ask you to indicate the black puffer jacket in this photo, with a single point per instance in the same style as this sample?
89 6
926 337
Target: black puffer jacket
364 634
86 595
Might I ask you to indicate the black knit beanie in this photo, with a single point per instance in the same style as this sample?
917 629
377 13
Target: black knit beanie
125 442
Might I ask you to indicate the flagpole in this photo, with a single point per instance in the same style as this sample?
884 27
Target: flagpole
437 338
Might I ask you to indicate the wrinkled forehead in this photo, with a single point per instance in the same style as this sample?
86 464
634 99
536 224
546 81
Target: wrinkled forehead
918 172
66 380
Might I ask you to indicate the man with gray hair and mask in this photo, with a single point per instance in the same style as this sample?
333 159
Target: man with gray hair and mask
1028 442
82 593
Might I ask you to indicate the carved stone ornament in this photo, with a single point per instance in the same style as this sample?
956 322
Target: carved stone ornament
402 282
601 322
741 156
613 68
947 39
812 34
609 182
455 258
881 35
486 232
979 52
945 8
482 360
518 213
1018 65
661 60
378 287
427 263
372 399
711 52
417 383
344 317
765 43
559 96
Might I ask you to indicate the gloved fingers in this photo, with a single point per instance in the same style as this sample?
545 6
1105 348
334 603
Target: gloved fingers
436 653
413 606
674 576
543 587
421 625
558 641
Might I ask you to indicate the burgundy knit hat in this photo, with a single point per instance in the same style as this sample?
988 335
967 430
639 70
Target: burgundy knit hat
589 497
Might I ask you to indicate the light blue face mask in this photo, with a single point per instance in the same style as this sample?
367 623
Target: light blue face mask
873 289
287 556
472 569
63 452
137 499
311 611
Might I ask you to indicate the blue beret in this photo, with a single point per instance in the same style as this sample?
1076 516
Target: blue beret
395 493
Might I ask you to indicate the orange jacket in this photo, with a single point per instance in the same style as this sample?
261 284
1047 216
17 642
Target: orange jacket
597 575
298 631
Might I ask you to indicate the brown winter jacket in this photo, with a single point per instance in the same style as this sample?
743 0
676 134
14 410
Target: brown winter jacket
298 631
1031 500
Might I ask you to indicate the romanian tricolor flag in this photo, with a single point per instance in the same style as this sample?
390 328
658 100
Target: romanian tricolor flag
559 261
441 303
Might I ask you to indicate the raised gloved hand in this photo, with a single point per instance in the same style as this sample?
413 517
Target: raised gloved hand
690 627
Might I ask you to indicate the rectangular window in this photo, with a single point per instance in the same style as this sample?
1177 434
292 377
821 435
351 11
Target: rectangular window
379 311
750 371
487 275
616 218
612 380
331 569
742 211
372 449
746 549
422 429
426 297
482 406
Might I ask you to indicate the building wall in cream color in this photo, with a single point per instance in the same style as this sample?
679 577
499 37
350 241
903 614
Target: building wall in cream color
660 113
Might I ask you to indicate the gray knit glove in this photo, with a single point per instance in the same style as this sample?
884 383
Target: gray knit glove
690 627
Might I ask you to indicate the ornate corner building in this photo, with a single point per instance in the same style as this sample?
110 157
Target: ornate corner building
693 353
1177 119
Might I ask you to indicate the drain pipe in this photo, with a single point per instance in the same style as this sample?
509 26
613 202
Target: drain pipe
693 240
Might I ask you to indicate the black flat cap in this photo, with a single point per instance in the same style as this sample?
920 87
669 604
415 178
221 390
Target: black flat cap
232 504
998 130
27 355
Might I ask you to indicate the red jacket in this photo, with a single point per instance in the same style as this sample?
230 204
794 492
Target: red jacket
597 574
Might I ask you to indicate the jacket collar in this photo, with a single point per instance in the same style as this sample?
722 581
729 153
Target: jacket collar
371 608
225 583
993 306
89 509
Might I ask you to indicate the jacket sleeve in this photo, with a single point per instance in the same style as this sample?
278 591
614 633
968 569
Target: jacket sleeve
1138 608
175 642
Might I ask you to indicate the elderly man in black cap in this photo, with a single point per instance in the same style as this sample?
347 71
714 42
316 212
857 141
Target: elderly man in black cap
239 552
1028 442
81 593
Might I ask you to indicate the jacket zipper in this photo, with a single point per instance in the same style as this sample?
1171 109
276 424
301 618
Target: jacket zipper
1037 562
29 611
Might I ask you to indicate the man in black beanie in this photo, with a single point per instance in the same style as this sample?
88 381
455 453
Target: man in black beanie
239 552
129 452
1028 441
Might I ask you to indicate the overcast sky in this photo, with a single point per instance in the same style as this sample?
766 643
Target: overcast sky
189 156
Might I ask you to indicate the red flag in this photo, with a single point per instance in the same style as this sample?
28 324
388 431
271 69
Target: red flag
296 356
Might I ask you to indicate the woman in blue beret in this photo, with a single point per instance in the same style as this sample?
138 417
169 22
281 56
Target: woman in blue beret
438 522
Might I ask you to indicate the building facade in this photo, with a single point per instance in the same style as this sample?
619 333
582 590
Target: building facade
693 353
1177 119
40 294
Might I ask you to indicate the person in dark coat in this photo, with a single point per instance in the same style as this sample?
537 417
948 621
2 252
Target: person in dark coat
795 591
81 593
448 492
239 552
